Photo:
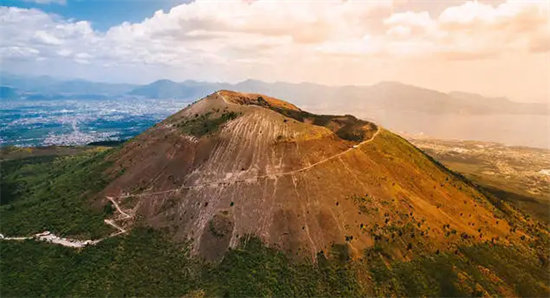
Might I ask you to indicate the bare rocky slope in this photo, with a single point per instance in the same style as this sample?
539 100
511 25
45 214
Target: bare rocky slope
237 164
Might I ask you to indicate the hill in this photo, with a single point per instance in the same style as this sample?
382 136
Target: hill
209 172
243 194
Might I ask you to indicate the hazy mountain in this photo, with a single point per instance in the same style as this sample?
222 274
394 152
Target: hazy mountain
7 93
27 83
45 85
170 89
386 96
86 87
498 105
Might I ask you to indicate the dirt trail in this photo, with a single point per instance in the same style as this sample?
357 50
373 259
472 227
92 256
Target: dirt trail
355 147
49 237
52 238
112 224
74 243
124 214
249 179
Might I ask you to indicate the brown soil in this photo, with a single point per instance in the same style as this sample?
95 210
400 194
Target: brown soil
298 185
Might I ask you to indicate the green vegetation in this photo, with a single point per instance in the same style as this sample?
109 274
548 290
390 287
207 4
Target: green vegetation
51 193
145 263
472 271
18 176
142 263
206 123
255 270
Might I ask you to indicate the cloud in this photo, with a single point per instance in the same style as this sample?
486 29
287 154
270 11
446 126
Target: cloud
475 30
277 40
412 19
268 27
61 2
540 45
46 38
49 35
15 52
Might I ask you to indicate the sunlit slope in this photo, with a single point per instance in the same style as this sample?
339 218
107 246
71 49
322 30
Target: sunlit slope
237 164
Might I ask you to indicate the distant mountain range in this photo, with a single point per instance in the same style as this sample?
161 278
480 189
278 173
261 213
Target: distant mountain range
390 96
46 86
170 89
384 96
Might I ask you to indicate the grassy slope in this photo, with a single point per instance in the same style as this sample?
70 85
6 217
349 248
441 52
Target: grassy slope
532 205
206 123
50 193
510 188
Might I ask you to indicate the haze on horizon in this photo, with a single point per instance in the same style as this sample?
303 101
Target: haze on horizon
495 48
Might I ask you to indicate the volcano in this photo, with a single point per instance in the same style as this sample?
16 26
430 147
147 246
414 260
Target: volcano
234 165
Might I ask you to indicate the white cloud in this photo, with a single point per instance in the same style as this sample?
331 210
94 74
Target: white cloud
47 35
409 18
46 38
15 52
475 30
64 52
278 40
62 2
399 31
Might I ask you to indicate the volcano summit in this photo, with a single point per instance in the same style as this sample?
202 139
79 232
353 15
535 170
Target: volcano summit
234 165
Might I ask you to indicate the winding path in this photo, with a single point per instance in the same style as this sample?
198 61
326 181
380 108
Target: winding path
272 175
226 181
49 237
124 214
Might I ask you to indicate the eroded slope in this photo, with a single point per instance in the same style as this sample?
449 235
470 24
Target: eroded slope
236 164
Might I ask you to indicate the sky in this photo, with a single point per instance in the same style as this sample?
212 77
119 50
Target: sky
495 48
